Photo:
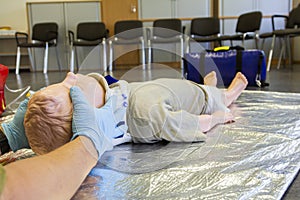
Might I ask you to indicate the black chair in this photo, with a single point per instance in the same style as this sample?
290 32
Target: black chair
247 28
205 29
165 31
89 34
127 32
291 29
44 35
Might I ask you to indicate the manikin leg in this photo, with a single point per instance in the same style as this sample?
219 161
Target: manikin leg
238 84
211 79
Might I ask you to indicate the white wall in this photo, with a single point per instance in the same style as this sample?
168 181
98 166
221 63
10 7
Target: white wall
13 13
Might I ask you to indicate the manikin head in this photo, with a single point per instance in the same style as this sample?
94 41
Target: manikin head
48 119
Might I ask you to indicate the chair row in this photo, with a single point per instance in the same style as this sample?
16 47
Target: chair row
205 29
45 35
172 31
247 27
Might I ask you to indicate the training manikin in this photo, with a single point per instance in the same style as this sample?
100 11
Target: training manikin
163 109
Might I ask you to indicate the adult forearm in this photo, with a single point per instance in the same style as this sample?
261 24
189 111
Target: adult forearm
56 175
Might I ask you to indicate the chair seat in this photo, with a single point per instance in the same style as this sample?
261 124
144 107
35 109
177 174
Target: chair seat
266 35
281 33
165 40
284 32
36 45
85 43
127 41
206 39
237 37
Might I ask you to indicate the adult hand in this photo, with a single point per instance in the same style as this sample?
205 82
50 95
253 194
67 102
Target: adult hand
84 122
14 130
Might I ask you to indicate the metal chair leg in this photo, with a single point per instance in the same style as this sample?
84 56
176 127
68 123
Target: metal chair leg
188 45
111 56
281 54
149 52
104 55
32 62
72 59
143 54
18 60
46 58
181 53
271 52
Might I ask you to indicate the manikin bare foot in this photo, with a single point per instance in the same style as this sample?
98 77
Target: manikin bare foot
211 79
238 84
237 77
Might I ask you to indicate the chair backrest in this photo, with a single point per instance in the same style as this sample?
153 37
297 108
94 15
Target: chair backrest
129 29
293 18
205 26
45 32
166 28
91 31
249 22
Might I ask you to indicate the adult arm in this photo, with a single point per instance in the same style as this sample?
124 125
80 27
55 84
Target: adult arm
56 175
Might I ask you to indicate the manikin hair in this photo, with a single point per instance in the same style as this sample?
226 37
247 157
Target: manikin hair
48 119
48 122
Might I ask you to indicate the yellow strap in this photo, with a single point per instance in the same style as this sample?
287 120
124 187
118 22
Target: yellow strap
222 48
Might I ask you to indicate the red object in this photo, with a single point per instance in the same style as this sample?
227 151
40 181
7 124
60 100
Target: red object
3 75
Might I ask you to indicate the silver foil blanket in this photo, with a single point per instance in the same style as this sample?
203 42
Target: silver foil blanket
256 157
